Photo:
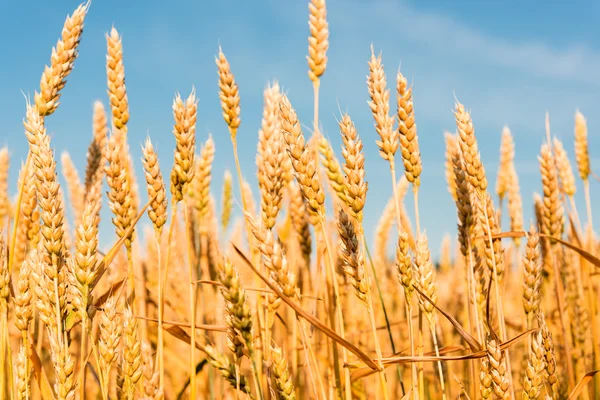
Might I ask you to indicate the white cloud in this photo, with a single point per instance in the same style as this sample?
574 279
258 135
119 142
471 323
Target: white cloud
576 62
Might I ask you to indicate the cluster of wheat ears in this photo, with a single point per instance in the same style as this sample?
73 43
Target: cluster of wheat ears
292 303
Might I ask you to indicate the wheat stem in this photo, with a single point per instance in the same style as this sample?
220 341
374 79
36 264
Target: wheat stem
336 302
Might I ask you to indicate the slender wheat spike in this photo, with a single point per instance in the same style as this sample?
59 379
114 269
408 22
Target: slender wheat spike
228 370
108 342
493 251
469 149
269 158
229 94
424 276
115 72
202 179
119 196
353 259
47 188
74 186
96 156
86 262
407 132
274 259
563 167
24 371
4 200
132 360
451 146
23 311
404 266
227 206
238 315
380 107
62 61
354 169
534 373
157 193
318 41
549 355
64 368
581 146
333 169
45 302
152 391
552 217
304 166
485 379
284 382
507 156
23 299
29 209
184 130
498 370
300 222
532 275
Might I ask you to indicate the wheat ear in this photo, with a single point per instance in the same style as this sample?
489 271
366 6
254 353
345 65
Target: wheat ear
62 61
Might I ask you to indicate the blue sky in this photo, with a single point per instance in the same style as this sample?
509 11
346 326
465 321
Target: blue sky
508 62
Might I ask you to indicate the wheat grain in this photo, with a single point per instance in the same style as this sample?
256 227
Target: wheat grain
318 41
354 169
353 259
552 211
269 158
115 73
380 108
185 137
563 167
581 146
229 95
227 200
468 146
157 194
284 384
532 275
304 166
407 132
62 61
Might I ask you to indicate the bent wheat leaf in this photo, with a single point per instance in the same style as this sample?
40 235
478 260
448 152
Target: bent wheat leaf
585 380
314 321
471 341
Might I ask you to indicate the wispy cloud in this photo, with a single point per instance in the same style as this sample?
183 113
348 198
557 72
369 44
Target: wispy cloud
575 62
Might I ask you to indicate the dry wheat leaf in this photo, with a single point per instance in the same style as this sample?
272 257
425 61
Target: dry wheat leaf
585 380
314 321
471 341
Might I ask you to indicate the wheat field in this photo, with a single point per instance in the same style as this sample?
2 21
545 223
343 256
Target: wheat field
289 301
